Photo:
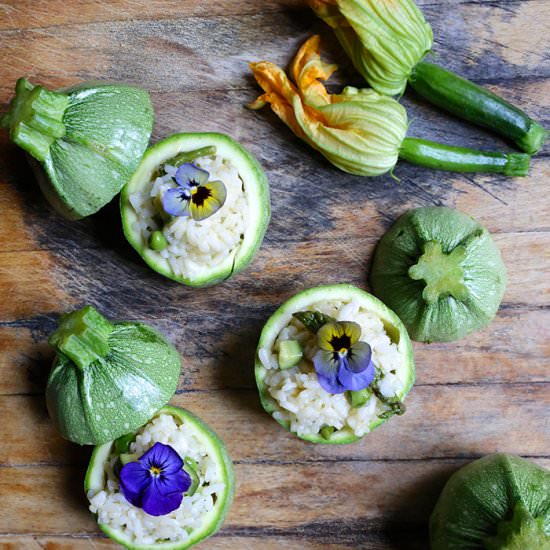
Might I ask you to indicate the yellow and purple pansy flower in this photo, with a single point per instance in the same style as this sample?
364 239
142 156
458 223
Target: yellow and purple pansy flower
155 482
343 362
194 195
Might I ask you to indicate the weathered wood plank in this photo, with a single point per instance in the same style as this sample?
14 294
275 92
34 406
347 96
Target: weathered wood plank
28 14
441 421
27 287
503 205
513 349
38 282
307 499
508 47
223 541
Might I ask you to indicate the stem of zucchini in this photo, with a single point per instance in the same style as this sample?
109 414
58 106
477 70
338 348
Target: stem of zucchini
35 118
460 159
83 336
521 531
442 273
475 104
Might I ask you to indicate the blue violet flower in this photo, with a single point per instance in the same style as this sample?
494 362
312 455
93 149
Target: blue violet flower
194 196
343 362
156 481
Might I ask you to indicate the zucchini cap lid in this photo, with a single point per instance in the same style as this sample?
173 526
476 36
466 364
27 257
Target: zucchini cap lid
84 142
497 502
108 378
441 272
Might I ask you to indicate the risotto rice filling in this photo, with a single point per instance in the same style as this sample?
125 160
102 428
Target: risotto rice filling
303 403
114 510
189 245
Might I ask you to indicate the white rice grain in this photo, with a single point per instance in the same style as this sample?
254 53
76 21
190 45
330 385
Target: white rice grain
300 399
113 509
195 245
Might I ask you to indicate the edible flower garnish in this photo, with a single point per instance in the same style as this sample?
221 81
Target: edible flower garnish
343 362
194 196
385 39
156 481
359 131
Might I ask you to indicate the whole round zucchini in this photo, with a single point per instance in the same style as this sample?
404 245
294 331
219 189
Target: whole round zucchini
84 142
105 463
286 378
499 502
205 251
108 378
441 272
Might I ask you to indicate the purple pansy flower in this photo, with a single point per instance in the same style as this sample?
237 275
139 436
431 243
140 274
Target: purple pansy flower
343 362
194 196
156 482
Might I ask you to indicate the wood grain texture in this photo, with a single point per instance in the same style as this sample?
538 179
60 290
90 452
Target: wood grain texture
488 392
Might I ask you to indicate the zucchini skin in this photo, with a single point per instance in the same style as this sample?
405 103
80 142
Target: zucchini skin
298 302
74 394
482 270
481 496
84 142
475 104
101 452
461 159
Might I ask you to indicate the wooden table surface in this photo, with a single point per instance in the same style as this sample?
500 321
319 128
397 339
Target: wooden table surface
488 392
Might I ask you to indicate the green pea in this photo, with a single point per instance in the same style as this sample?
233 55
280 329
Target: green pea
157 241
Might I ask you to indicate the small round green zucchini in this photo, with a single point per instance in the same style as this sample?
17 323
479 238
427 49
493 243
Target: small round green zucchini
187 148
306 299
498 502
83 142
95 481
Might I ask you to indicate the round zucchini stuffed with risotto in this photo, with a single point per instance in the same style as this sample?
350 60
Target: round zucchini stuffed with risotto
167 486
333 363
197 208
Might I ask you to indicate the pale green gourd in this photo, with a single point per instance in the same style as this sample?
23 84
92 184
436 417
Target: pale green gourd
302 301
499 502
210 442
441 272
84 142
188 147
108 378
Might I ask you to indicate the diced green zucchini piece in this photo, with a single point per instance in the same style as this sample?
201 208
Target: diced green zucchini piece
290 353
191 466
358 398
327 431
122 444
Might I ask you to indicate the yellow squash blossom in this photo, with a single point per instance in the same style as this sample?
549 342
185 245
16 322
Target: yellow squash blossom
359 131
385 39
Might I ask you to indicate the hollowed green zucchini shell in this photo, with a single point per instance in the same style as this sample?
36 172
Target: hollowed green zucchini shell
256 187
94 480
302 301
